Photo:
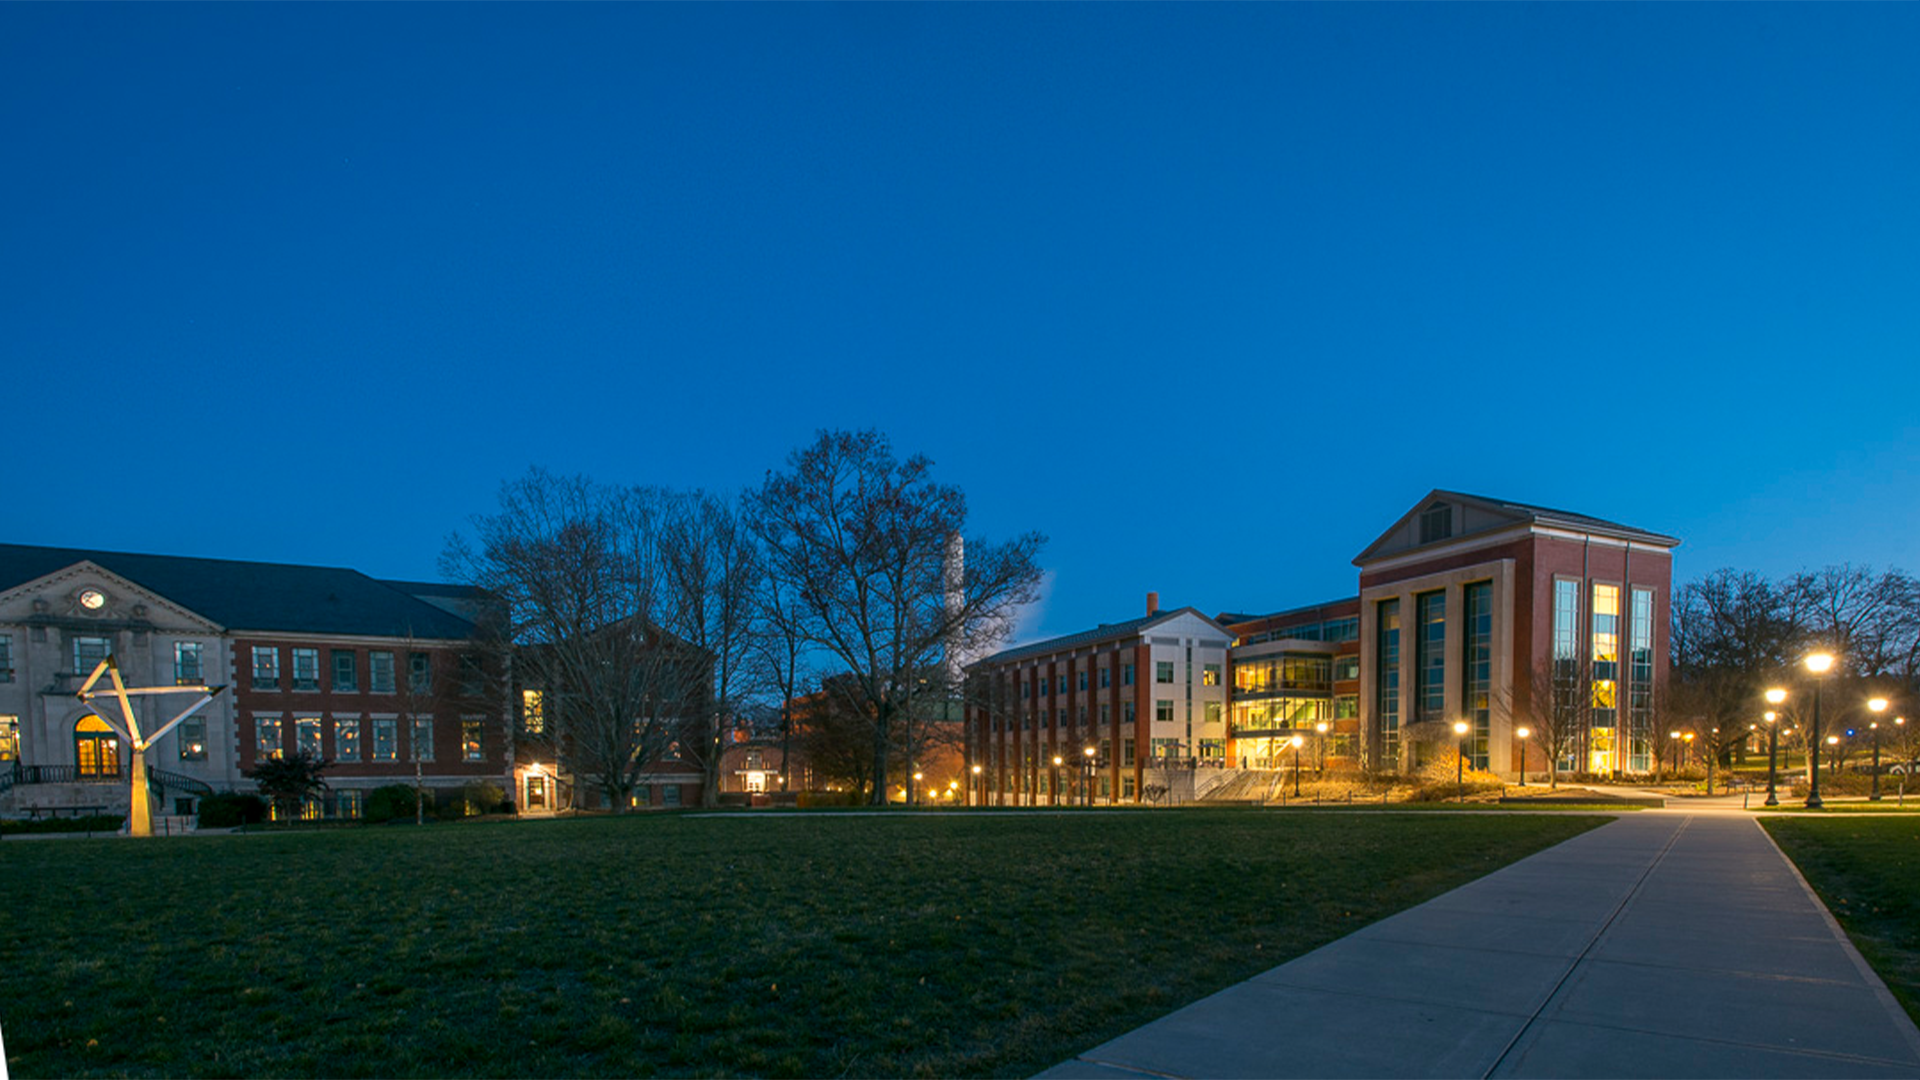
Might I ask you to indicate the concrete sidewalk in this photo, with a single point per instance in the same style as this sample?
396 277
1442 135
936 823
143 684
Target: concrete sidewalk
1662 945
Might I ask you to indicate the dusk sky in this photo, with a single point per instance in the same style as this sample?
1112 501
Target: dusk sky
1208 294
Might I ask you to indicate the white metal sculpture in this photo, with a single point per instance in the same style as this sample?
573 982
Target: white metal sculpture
140 806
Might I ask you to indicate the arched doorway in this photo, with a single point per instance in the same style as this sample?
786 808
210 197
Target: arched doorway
96 749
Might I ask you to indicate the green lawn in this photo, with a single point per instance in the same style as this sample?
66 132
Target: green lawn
1867 870
805 945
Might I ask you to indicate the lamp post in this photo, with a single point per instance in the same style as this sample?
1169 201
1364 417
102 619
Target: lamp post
1460 762
1320 729
1675 737
1054 794
1521 734
979 786
1878 705
1296 741
913 793
1774 697
1819 663
1086 780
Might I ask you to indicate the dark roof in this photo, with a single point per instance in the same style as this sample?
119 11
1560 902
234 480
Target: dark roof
1103 632
1233 618
255 595
1542 513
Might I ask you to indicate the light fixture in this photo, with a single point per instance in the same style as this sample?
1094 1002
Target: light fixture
1820 663
92 599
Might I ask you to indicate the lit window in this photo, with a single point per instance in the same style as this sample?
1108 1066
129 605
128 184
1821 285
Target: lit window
306 731
266 737
533 712
1210 674
380 672
346 738
386 739
191 736
266 667
347 803
422 738
472 739
9 738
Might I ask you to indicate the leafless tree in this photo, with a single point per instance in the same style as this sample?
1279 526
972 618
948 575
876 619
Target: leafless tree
1554 714
575 573
711 568
864 539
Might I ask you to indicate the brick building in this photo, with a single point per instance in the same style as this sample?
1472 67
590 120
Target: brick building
371 674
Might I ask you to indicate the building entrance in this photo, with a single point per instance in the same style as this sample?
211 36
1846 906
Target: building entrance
96 749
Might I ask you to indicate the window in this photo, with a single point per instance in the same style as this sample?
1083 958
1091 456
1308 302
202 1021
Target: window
386 739
266 737
473 675
347 803
1346 667
1060 684
380 672
1106 715
266 667
186 663
1213 749
1346 707
1430 657
473 745
1126 712
670 795
346 672
1209 674
190 737
88 652
1126 675
9 738
1106 677
6 658
533 712
419 672
1436 523
1126 753
306 731
1167 749
1640 692
1163 671
1477 666
1388 704
1342 630
1083 678
1163 711
1606 676
346 738
421 737
1214 710
96 748
306 669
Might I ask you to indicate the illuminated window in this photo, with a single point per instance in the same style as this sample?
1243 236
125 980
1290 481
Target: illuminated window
346 738
472 739
306 732
1209 674
266 667
1163 671
266 737
306 669
96 748
1346 667
1346 706
1214 710
348 803
186 663
1604 694
9 738
421 738
386 739
533 712
346 673
1430 658
380 672
1388 703
191 737
88 652
1640 696
1478 666
1168 749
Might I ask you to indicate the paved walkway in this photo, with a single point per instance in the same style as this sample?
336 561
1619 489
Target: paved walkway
1666 944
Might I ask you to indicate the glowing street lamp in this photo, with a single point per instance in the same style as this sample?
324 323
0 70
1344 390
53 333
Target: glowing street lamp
1878 705
1296 741
1775 696
1460 762
1819 663
1086 780
1320 729
1521 734
1055 793
980 785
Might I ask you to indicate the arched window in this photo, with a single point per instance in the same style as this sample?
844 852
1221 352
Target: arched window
96 748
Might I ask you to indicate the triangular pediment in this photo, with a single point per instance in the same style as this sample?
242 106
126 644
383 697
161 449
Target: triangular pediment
85 591
1440 518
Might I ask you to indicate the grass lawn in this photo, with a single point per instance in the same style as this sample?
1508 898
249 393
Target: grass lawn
1867 870
802 945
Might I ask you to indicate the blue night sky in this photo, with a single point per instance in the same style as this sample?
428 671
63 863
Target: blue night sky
1208 294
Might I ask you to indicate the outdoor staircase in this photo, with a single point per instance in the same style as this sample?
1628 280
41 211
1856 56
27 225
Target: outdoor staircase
1241 787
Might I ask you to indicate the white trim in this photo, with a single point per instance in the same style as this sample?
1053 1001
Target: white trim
85 566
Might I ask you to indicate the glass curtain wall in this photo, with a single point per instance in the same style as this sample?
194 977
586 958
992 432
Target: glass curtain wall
1478 668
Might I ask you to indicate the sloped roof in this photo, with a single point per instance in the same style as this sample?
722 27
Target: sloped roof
1103 632
255 595
1516 513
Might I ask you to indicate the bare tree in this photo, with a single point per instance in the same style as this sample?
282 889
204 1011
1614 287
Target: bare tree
575 571
864 539
1553 713
712 569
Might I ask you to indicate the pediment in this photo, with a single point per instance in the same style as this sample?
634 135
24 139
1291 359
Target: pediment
61 597
1439 518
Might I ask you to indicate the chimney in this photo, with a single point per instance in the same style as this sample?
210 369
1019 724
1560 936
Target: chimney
1153 603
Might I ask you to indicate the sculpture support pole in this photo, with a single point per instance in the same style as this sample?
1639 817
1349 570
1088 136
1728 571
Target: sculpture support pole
140 807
